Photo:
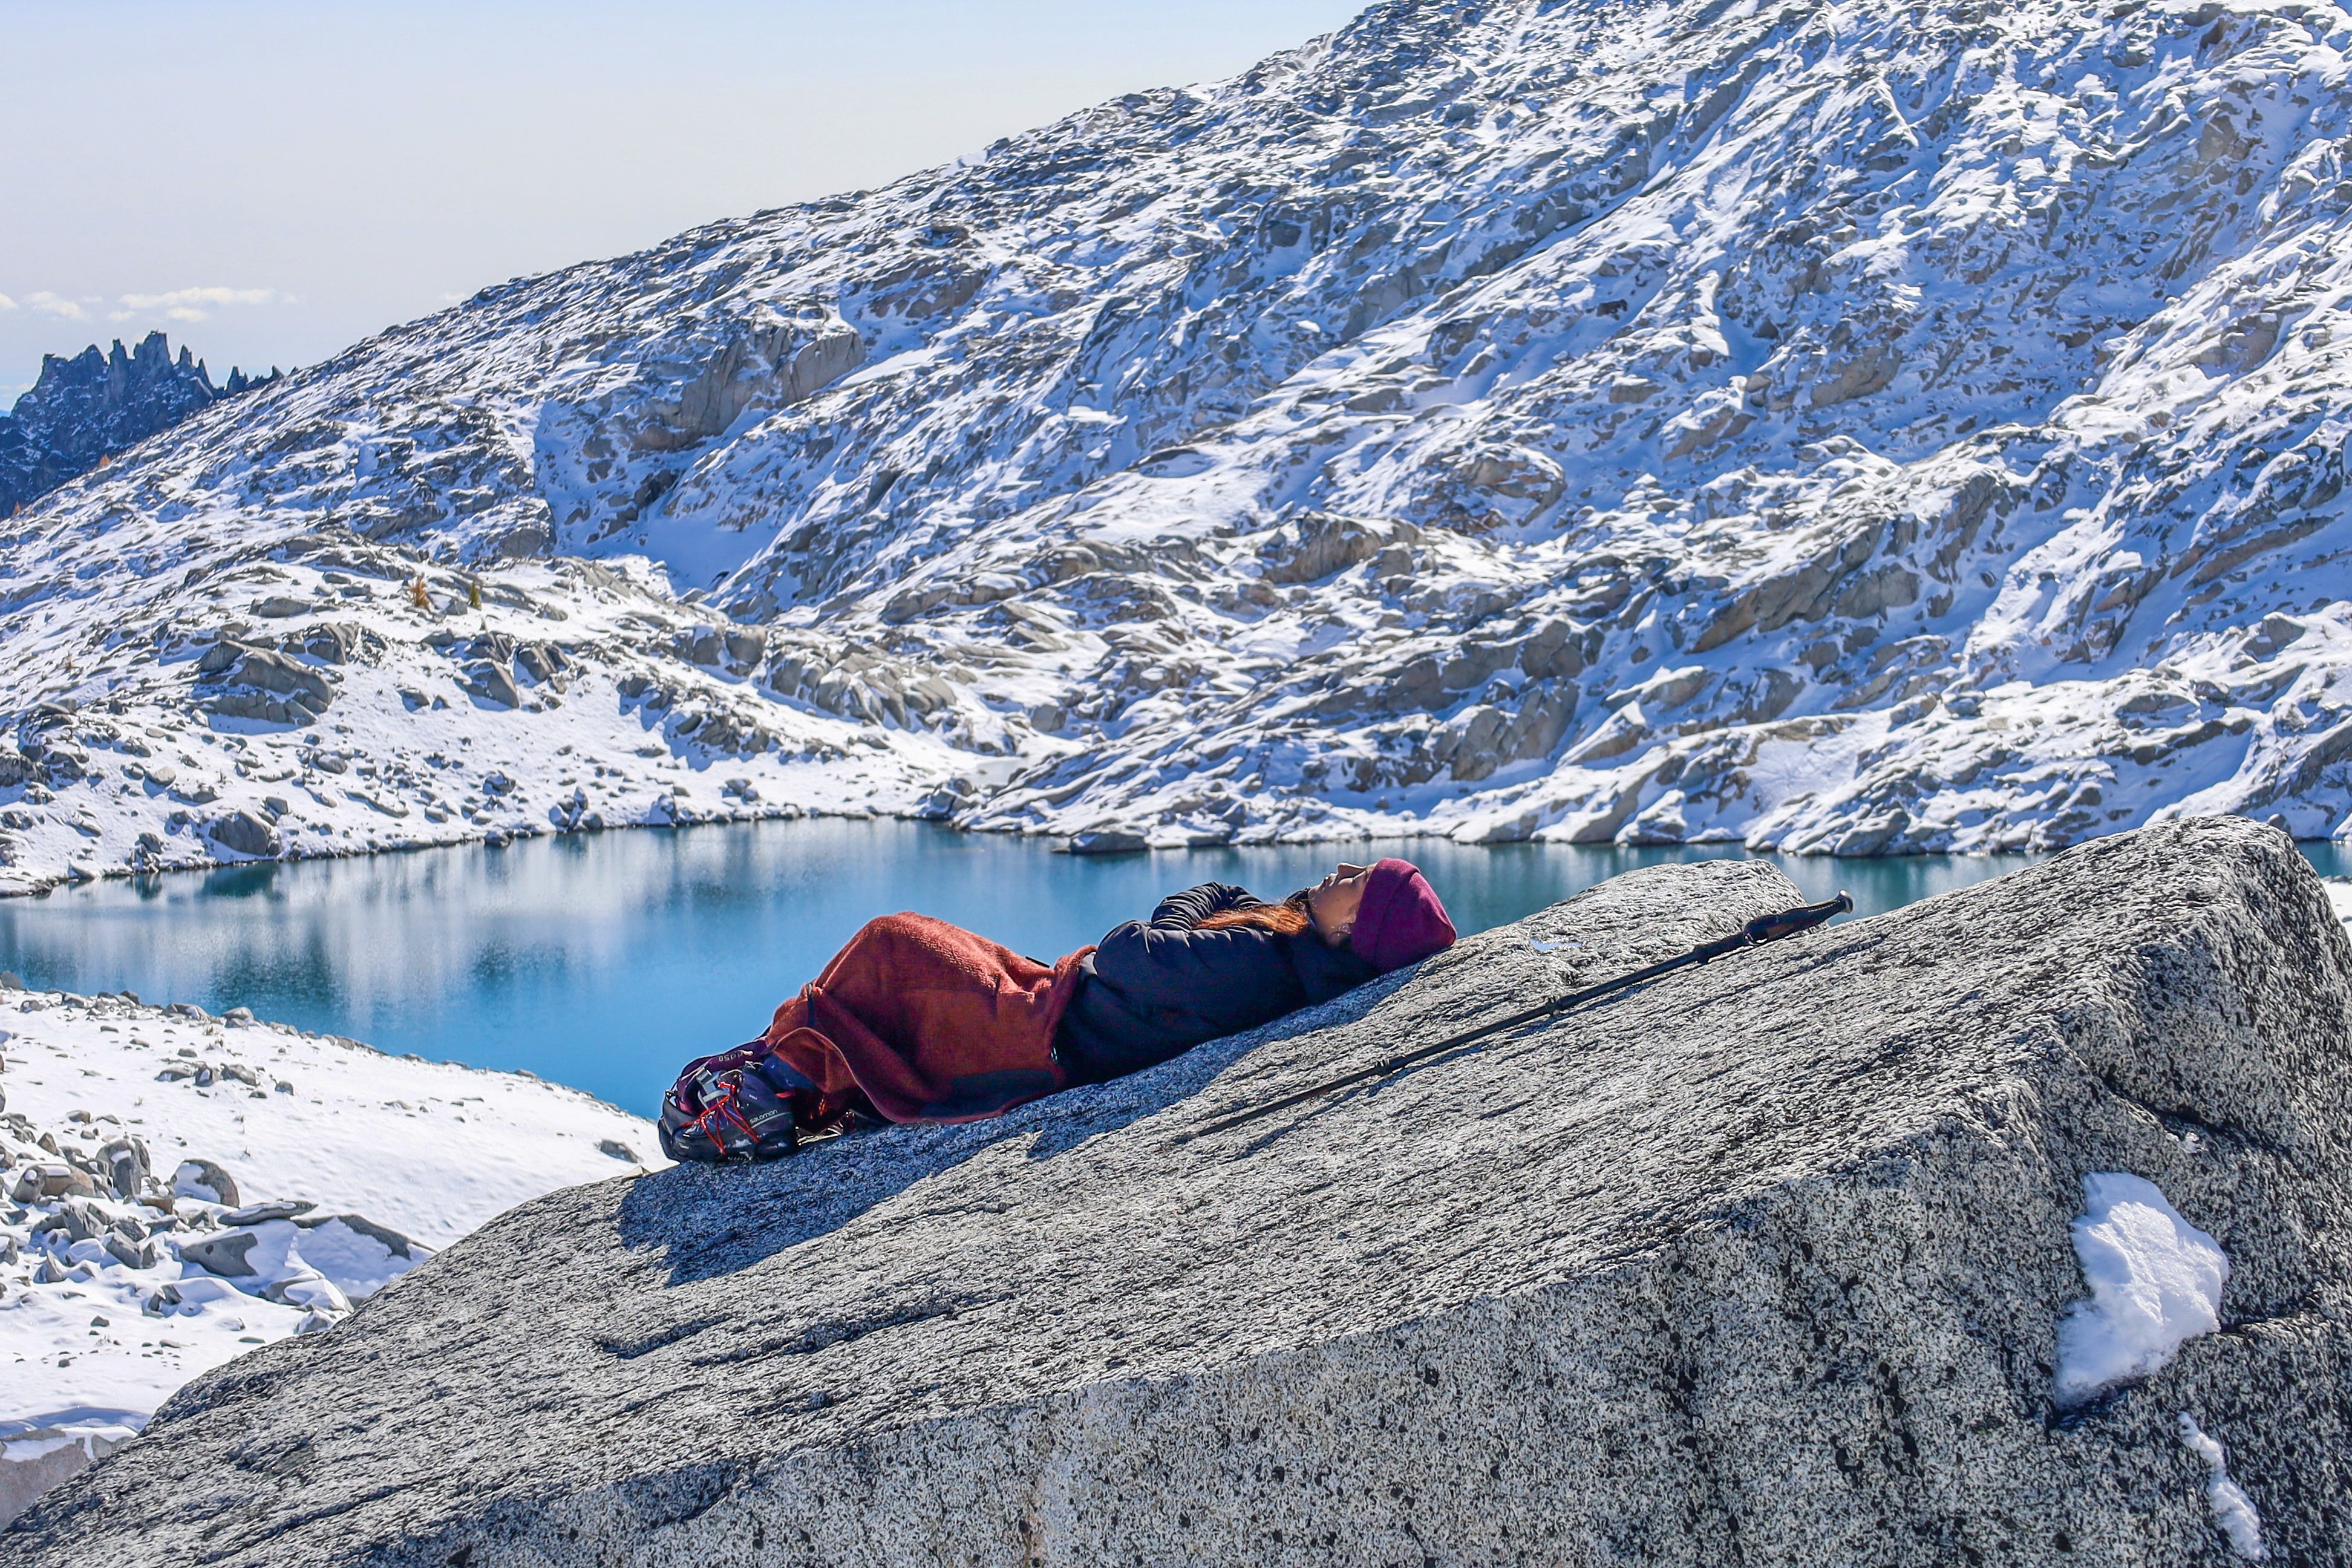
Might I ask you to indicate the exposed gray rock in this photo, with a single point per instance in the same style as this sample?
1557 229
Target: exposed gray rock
205 1179
395 1244
244 681
222 1254
1106 841
746 646
1762 1264
491 682
542 661
126 1165
22 1480
267 671
49 1180
138 1252
336 642
246 833
1319 544
77 1219
237 702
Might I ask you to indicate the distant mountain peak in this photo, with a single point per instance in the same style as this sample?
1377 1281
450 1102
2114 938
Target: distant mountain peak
87 409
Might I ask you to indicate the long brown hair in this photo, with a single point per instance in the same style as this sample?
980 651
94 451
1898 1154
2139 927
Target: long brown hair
1288 917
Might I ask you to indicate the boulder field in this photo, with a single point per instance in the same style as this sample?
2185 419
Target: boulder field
2008 1228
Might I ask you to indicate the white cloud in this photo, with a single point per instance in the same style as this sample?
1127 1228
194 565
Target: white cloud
173 305
194 304
48 304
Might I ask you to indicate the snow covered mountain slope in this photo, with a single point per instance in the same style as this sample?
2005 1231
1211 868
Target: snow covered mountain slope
1835 427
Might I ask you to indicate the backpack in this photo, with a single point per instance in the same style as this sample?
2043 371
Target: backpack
740 1106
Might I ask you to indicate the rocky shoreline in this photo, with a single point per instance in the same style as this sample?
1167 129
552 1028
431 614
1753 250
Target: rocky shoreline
358 720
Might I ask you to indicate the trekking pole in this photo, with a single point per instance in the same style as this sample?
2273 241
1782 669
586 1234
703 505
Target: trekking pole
1755 933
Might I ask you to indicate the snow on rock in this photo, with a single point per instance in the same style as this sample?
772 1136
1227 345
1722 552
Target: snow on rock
432 1149
355 719
2156 1283
2233 1510
182 1188
1764 1263
1847 428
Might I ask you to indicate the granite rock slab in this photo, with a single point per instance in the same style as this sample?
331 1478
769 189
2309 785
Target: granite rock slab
1761 1263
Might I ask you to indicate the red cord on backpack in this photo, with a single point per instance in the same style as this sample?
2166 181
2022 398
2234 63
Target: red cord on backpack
724 1110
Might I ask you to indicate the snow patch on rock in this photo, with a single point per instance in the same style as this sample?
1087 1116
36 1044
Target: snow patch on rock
2156 1283
2233 1510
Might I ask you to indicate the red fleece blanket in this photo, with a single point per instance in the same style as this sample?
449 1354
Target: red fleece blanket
918 1020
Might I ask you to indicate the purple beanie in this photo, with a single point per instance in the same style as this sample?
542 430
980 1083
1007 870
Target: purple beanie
1401 920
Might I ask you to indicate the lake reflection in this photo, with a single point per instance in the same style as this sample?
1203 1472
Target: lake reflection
605 960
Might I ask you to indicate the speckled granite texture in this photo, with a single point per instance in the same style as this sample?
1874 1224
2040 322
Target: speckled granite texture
1761 1264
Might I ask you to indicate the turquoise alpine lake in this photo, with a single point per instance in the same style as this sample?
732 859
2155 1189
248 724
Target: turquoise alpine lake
605 960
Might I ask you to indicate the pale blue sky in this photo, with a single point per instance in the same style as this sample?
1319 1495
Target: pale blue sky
272 180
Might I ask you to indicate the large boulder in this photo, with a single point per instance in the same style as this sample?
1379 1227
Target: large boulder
258 683
1766 1262
245 834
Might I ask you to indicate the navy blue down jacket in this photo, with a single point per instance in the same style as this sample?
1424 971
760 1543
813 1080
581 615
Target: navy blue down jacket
1153 991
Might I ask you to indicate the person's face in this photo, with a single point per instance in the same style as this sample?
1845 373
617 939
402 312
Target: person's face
1335 901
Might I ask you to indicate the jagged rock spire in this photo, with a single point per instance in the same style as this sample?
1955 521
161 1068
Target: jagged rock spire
86 409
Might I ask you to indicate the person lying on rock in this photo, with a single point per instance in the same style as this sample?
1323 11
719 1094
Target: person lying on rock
918 1020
